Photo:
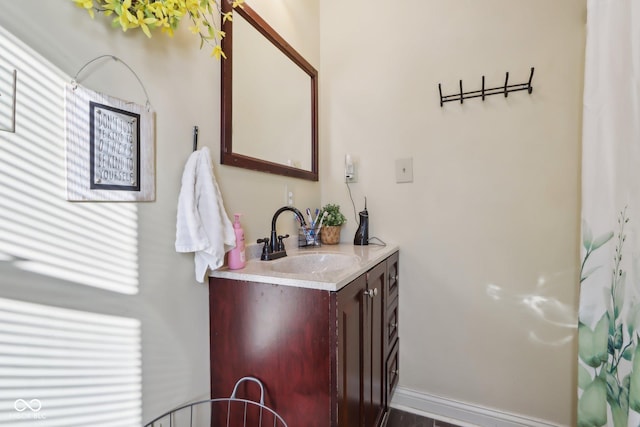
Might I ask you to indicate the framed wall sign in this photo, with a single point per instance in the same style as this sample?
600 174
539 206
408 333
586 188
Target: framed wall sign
110 142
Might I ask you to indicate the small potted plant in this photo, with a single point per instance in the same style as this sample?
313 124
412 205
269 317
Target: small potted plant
332 224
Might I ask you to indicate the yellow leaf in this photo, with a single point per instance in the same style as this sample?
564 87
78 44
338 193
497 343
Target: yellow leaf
123 22
163 22
217 52
129 16
145 30
168 30
86 4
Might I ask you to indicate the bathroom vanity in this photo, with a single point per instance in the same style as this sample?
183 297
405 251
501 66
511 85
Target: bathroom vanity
318 328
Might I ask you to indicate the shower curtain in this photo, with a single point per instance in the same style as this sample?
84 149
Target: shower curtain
609 312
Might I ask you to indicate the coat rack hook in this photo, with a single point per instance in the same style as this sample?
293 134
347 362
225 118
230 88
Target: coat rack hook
461 93
440 90
529 88
195 138
506 82
483 88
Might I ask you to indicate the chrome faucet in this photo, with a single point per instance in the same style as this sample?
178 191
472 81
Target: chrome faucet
274 247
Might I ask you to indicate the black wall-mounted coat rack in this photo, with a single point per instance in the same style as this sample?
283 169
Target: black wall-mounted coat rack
499 90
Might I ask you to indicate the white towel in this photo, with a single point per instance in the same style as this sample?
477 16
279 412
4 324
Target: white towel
202 225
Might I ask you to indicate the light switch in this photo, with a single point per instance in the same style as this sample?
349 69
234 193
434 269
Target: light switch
404 170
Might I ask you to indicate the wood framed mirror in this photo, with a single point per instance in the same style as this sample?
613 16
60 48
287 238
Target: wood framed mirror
269 100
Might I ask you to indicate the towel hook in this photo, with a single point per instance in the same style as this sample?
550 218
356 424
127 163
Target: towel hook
506 81
195 138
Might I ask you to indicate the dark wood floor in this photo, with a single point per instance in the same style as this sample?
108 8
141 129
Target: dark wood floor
399 418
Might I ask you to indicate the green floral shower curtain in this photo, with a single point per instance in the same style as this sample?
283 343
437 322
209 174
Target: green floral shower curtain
609 313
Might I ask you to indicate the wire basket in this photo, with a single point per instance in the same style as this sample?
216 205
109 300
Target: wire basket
227 412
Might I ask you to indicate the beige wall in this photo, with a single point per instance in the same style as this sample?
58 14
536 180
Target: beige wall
183 86
488 229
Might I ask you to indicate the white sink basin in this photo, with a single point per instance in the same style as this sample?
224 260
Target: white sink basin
314 263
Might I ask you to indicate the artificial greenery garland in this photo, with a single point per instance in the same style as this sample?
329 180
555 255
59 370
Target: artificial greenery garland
148 15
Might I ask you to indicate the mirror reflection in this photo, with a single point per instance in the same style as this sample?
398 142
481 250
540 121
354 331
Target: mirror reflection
269 100
273 93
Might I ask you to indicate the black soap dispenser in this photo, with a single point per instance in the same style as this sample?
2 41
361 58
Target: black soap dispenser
362 234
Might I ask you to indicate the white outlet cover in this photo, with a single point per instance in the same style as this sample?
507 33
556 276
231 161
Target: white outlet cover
404 170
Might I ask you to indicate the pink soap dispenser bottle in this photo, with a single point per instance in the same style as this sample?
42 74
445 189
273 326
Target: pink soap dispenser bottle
237 258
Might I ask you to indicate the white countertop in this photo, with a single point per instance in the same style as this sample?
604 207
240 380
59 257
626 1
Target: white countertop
262 271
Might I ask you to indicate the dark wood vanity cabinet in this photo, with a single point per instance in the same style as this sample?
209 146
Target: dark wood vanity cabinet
361 335
325 358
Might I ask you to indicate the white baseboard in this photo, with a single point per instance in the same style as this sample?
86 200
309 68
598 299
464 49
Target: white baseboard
459 413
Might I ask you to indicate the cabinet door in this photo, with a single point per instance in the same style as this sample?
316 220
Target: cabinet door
351 333
374 339
280 335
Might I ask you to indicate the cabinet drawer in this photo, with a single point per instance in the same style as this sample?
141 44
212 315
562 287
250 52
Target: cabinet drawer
392 323
393 370
391 291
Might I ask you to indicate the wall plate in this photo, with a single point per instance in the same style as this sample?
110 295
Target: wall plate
404 170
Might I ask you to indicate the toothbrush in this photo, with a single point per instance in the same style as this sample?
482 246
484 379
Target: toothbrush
321 221
315 219
306 231
309 217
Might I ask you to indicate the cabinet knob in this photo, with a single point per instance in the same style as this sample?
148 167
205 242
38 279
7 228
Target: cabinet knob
393 325
393 277
395 372
371 292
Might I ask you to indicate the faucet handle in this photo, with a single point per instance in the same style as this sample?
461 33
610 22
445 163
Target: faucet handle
265 248
281 243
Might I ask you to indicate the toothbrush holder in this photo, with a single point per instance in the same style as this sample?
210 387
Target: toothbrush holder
307 237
